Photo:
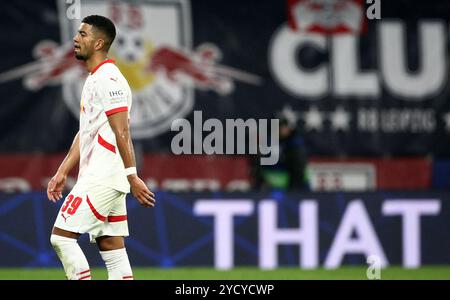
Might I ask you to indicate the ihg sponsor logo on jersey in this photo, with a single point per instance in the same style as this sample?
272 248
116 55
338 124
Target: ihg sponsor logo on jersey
115 94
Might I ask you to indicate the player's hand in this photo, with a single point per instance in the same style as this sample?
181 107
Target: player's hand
141 192
55 187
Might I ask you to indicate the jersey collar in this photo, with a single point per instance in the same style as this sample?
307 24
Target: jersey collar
101 64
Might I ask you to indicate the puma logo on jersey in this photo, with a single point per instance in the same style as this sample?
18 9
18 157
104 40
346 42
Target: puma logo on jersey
65 218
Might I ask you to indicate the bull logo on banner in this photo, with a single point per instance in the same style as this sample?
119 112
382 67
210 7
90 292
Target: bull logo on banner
326 16
153 49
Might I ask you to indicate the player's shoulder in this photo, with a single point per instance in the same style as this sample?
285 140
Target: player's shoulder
108 70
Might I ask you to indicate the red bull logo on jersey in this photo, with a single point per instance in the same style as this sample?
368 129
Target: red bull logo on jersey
153 49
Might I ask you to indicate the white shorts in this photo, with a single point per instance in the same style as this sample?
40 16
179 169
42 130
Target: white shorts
97 210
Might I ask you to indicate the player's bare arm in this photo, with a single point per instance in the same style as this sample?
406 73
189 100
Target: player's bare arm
58 181
120 127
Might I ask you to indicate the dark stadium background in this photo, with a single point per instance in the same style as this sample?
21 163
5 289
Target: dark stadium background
404 156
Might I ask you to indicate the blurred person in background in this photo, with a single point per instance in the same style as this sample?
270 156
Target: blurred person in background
290 172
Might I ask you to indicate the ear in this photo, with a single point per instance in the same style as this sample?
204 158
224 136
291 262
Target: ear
99 44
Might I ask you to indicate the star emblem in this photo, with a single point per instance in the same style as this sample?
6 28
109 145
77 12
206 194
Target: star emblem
340 119
313 119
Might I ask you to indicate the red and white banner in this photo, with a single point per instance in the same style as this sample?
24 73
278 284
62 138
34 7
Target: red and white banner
220 173
161 171
326 16
365 174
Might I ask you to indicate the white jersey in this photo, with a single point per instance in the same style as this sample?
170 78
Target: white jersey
105 92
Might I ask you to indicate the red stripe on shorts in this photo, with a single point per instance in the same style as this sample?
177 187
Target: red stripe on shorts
94 211
127 277
117 218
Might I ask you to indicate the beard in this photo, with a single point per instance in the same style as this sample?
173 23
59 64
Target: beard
81 57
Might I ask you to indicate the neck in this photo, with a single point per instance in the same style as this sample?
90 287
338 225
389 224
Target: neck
95 60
